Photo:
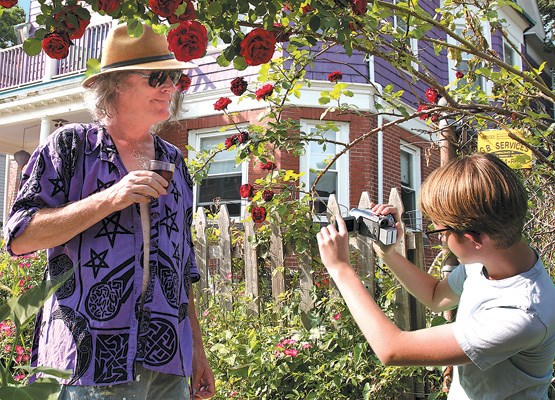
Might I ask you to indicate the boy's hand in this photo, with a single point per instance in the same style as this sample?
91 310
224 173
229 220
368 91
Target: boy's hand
334 245
381 249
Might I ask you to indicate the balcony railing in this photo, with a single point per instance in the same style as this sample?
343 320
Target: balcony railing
17 69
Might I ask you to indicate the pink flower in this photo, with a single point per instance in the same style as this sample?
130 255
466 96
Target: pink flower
335 76
337 316
206 313
228 276
264 92
291 352
233 393
306 346
222 103
19 377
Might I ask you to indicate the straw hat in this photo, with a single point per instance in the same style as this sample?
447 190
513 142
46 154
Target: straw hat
123 52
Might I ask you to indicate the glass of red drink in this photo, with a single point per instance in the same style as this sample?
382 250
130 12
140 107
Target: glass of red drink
162 168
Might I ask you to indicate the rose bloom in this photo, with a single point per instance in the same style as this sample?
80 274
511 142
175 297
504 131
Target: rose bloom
188 15
8 3
108 6
264 92
267 195
238 86
359 6
229 141
164 8
188 40
420 108
74 13
246 190
431 95
268 166
222 103
258 214
56 45
242 137
306 9
459 74
258 47
335 76
184 83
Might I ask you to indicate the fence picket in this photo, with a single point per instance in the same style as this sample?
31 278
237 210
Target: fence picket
251 269
277 261
225 257
201 255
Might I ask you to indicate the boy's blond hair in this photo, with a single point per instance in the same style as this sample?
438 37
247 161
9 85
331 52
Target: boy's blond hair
477 193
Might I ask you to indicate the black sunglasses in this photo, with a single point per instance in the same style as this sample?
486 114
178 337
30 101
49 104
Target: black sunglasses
157 78
434 236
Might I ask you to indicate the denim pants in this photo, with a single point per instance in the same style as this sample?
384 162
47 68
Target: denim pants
150 385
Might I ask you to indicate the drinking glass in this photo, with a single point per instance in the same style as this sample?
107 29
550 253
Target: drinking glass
162 168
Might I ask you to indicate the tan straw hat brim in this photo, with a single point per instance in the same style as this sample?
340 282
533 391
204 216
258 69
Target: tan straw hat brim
148 52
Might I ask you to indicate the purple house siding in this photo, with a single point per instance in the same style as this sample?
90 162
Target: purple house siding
353 68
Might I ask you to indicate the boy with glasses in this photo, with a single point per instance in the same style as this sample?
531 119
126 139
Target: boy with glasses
503 339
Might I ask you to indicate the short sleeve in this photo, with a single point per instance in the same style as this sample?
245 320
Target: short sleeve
495 334
456 279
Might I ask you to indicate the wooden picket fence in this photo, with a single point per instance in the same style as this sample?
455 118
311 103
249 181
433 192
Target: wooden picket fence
214 261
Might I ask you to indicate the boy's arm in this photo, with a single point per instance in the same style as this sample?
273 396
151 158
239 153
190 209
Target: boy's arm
431 346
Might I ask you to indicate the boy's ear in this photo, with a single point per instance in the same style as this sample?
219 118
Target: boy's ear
476 238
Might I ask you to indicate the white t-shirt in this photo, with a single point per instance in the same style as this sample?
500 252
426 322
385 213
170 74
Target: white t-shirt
507 328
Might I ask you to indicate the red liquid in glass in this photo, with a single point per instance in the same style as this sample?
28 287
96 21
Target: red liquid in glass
167 175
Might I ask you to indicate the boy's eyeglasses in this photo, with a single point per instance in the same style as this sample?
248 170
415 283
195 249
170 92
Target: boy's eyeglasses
435 236
157 78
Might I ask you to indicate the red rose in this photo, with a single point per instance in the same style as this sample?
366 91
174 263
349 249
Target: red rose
268 166
258 46
420 108
280 33
258 214
264 92
222 103
246 190
434 117
56 45
335 76
108 6
188 15
238 86
431 95
306 9
184 83
242 137
164 8
74 19
459 74
267 195
188 40
8 3
359 6
230 141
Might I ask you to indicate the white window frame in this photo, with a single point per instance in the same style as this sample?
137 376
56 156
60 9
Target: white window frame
342 164
416 178
194 139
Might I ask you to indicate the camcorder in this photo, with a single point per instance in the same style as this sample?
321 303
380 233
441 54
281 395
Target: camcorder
376 227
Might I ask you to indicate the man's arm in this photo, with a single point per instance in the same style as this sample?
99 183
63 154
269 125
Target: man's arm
203 377
50 227
431 346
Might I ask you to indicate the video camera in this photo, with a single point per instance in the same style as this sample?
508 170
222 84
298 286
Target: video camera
376 227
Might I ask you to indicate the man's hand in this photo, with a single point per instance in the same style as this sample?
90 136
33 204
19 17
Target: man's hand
202 385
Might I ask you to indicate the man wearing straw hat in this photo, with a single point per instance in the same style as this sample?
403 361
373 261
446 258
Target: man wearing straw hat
80 199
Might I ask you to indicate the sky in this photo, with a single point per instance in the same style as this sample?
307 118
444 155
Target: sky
24 4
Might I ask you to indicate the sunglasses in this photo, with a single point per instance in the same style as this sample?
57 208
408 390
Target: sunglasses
157 78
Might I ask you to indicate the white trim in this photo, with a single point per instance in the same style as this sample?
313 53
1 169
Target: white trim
416 176
342 164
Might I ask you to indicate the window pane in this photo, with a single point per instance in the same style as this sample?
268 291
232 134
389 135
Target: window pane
224 162
406 175
326 185
225 189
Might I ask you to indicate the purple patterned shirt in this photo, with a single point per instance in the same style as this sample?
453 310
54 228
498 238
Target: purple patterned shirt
93 324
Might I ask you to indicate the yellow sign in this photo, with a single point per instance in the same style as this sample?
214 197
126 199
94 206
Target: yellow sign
498 142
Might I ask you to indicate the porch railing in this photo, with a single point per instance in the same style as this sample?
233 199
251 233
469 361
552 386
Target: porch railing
18 69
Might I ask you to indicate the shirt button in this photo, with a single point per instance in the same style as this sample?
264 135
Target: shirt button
155 214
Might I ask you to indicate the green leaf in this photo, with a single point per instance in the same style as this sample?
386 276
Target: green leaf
21 308
314 23
239 63
32 46
42 389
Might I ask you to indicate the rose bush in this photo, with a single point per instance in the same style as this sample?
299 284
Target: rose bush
74 20
8 3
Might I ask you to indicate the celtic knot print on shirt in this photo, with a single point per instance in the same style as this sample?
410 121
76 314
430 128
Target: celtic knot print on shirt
169 279
79 329
111 358
106 297
58 266
161 345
